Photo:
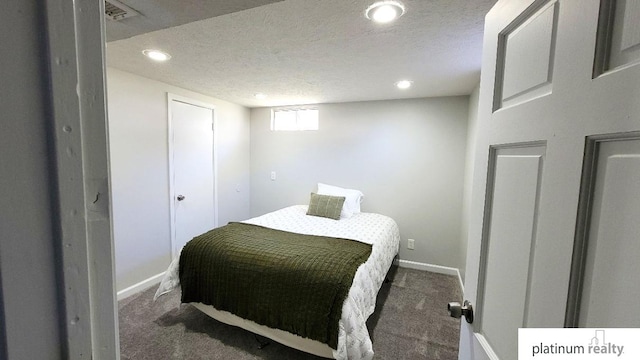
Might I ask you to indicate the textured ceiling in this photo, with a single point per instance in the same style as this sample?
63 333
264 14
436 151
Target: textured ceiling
162 14
317 51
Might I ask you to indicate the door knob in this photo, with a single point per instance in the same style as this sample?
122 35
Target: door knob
180 197
456 310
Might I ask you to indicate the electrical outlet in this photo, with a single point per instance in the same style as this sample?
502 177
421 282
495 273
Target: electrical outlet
273 175
411 244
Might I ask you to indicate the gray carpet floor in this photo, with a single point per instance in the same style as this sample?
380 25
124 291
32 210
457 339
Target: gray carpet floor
410 322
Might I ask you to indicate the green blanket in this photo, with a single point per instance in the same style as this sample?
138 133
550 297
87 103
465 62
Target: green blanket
279 279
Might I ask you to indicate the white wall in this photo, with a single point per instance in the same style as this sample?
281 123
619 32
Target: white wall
139 170
472 133
407 156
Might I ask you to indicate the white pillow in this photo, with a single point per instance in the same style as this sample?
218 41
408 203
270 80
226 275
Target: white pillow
352 201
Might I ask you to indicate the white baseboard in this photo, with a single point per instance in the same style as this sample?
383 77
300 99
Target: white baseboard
141 286
145 284
432 268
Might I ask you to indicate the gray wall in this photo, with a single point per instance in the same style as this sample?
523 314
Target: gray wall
472 133
30 325
407 156
140 175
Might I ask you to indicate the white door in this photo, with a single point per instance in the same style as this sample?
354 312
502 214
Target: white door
557 172
192 171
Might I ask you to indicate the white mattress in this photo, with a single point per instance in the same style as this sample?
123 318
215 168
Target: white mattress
378 230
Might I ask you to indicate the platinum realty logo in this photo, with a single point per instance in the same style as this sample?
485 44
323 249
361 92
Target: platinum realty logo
578 344
598 345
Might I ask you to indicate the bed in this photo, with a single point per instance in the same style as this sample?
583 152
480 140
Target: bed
353 341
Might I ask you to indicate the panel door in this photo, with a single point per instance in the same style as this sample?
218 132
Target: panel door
557 169
192 172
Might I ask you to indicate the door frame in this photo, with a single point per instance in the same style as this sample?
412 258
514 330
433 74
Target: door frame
172 195
87 304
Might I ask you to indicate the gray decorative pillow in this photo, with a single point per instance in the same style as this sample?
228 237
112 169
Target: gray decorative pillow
326 206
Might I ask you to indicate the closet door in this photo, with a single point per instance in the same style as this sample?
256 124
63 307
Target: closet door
191 171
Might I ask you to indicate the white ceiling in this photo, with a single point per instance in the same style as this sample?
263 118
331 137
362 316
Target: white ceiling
162 14
315 51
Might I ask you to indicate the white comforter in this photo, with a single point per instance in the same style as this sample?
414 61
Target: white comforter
378 230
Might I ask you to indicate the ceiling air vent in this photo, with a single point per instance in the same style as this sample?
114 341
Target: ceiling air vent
115 10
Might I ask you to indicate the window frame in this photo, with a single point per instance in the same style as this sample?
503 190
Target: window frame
299 122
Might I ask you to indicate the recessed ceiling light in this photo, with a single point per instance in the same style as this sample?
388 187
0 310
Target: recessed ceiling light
384 11
404 84
260 96
156 55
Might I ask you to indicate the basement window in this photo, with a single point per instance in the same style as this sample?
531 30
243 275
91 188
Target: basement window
294 119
